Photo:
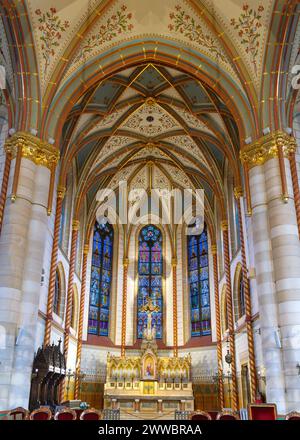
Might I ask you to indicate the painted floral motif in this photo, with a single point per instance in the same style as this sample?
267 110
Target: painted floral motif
150 120
248 24
186 25
51 28
116 24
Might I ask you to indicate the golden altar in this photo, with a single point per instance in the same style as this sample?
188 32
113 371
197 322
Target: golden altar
149 382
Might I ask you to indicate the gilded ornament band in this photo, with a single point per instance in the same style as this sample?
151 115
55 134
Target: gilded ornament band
267 147
32 148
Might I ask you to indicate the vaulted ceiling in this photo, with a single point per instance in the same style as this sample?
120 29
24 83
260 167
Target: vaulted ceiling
150 124
150 92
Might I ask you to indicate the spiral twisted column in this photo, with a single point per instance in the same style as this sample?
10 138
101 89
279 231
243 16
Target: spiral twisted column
75 227
295 183
224 226
175 313
124 306
81 316
51 289
238 192
218 325
5 179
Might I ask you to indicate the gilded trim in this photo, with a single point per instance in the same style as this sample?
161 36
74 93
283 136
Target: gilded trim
32 148
267 148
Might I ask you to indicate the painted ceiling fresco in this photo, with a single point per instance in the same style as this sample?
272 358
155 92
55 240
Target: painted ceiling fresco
55 24
150 112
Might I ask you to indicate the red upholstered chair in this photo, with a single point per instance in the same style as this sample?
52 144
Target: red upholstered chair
42 413
91 414
263 411
294 415
65 414
227 414
18 414
199 415
213 414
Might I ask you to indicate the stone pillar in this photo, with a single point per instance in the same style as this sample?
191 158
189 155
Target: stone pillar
248 308
218 326
22 246
124 307
75 228
4 187
114 404
81 316
159 405
277 261
235 398
175 314
53 265
137 405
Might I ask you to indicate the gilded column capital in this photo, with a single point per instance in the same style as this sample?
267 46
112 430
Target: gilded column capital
174 262
224 225
86 249
32 148
125 262
61 191
238 192
214 249
75 225
267 147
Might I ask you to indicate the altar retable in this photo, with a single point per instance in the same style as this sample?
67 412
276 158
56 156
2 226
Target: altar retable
149 382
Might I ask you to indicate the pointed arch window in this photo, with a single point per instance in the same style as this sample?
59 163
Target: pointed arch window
241 297
199 284
101 276
57 295
150 273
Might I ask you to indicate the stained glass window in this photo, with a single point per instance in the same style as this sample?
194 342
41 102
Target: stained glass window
101 275
57 294
241 298
150 271
199 284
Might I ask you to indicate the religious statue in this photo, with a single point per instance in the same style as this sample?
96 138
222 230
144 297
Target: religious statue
149 308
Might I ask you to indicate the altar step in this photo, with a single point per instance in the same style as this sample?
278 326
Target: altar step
146 415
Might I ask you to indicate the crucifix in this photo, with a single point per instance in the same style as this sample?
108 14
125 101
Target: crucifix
149 308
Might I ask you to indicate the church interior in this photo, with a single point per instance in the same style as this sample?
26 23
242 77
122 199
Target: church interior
110 305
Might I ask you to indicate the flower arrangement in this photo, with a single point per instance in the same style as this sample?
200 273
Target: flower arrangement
51 28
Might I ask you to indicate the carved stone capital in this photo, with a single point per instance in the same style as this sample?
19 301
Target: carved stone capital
61 191
267 148
238 192
174 262
75 225
32 148
214 249
224 225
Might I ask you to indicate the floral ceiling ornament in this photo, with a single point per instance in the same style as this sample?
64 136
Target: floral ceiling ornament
116 24
248 24
186 25
51 28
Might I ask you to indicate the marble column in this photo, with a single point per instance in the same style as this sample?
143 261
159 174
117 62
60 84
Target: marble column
277 263
22 246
